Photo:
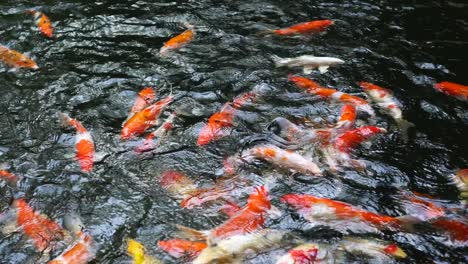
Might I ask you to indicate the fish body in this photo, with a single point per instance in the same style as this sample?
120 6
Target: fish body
422 207
14 59
374 247
182 248
456 90
144 98
315 26
308 62
8 176
352 138
144 119
178 41
283 158
347 118
309 253
177 184
457 230
137 251
43 23
81 252
84 144
217 126
304 83
159 133
293 133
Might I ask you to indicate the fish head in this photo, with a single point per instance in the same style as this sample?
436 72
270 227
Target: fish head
395 251
214 128
147 94
259 201
48 32
27 63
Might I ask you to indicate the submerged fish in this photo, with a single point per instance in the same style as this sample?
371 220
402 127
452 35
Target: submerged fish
308 62
309 253
145 97
217 127
314 26
158 134
178 41
14 59
460 178
387 102
80 252
84 145
8 176
137 251
458 230
177 184
374 247
347 118
456 90
43 23
296 135
179 248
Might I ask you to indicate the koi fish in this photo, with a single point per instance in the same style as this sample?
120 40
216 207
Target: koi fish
460 178
234 248
333 95
84 145
372 247
39 228
305 253
202 196
14 59
145 97
421 207
456 90
352 138
42 22
243 99
315 26
314 208
8 176
283 158
293 133
144 119
456 229
159 133
81 252
217 127
177 184
178 41
347 118
308 62
137 251
182 248
385 100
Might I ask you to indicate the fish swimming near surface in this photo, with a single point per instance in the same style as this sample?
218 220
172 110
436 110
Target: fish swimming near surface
305 253
138 253
8 176
157 135
456 90
177 184
145 97
315 26
347 118
84 144
372 247
43 23
308 62
181 248
297 135
218 125
14 59
178 41
386 101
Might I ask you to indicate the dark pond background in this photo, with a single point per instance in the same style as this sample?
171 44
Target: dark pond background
106 51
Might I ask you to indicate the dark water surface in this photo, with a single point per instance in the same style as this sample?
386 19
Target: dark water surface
106 51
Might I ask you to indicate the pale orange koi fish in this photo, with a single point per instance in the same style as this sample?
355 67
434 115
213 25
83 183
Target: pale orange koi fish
14 59
178 41
84 144
43 23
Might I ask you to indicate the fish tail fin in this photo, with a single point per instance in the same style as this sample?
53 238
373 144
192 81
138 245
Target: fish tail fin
189 26
408 222
265 32
30 11
277 60
190 233
404 126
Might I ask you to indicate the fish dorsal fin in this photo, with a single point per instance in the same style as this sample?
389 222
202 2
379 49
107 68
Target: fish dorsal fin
323 69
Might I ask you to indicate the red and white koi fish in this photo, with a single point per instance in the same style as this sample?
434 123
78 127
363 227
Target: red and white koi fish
386 101
145 97
460 178
43 23
179 248
159 133
218 126
14 59
43 232
138 253
282 158
374 247
84 145
178 41
456 90
8 176
315 26
144 119
177 184
332 94
347 118
305 253
314 208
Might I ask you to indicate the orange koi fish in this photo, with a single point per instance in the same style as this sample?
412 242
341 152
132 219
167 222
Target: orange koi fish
81 252
43 23
456 90
182 248
84 144
178 41
304 83
14 59
243 99
283 158
217 127
159 133
40 229
351 139
145 97
8 176
144 119
347 117
177 184
315 208
315 26
461 181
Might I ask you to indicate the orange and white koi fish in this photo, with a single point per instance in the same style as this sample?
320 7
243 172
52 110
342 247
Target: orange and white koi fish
159 133
81 252
145 97
460 178
177 184
178 41
374 247
217 127
352 138
456 90
385 100
305 253
137 251
84 144
315 26
43 23
8 176
314 208
14 59
333 95
144 119
39 228
179 248
347 118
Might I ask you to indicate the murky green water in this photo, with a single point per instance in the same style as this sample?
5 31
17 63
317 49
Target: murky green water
106 51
